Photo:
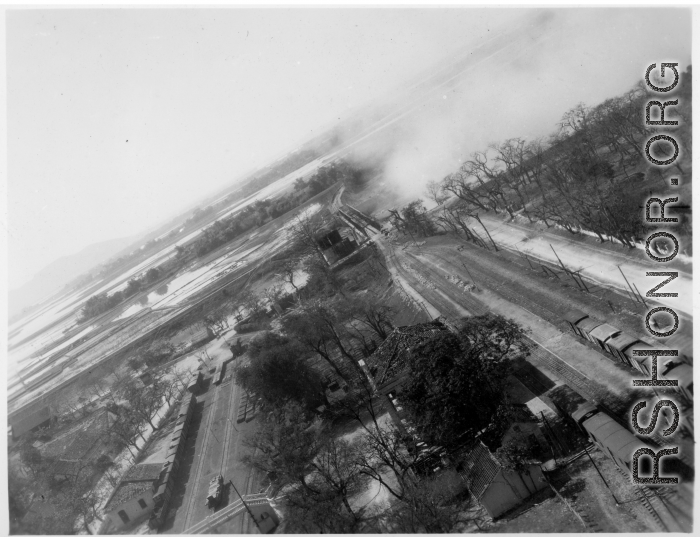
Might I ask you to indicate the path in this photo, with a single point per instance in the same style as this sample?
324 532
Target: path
596 264
215 447
438 283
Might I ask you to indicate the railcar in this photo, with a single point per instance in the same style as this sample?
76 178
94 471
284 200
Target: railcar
601 334
218 374
613 439
683 342
574 317
586 326
621 345
617 346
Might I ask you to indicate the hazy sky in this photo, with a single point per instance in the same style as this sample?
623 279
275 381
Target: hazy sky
118 119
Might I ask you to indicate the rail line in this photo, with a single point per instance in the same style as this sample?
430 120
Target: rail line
200 463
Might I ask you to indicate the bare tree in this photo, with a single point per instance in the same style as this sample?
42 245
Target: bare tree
435 192
288 273
303 231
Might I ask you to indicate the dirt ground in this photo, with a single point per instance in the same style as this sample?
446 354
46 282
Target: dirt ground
595 500
542 513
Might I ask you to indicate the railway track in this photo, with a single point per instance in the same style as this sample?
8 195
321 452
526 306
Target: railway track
575 379
200 462
229 425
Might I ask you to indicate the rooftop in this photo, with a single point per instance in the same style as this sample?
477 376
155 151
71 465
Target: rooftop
480 469
79 440
143 472
137 480
389 360
67 467
125 492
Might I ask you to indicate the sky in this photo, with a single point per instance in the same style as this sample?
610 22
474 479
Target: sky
121 118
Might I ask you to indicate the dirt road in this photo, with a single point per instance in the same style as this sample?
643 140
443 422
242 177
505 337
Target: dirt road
440 278
599 265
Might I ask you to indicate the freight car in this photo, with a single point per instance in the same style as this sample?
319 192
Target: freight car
196 382
218 374
621 346
610 437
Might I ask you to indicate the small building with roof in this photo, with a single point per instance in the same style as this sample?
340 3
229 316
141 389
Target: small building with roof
63 469
495 487
29 419
337 244
387 364
132 500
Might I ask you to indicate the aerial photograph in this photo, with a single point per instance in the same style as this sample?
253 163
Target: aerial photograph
399 269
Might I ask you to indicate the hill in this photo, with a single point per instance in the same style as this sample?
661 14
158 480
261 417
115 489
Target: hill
54 276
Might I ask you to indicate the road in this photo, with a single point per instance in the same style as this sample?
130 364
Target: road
215 446
597 264
437 276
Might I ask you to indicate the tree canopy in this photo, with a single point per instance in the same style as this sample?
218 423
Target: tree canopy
455 381
279 371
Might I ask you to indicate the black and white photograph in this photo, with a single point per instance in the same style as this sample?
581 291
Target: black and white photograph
348 269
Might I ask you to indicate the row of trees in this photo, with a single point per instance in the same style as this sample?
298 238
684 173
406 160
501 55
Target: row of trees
256 183
331 331
60 505
323 477
57 506
578 179
454 388
102 303
263 211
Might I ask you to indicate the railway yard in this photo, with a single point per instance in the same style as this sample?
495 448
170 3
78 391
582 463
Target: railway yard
214 447
440 276
354 303
452 278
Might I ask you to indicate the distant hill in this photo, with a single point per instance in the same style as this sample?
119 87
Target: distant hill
54 276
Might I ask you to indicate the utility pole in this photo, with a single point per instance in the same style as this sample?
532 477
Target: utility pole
476 215
246 506
560 261
525 256
470 274
640 296
601 476
632 293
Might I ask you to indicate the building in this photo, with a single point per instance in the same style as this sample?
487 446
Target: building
337 244
63 470
27 420
132 500
387 365
86 441
496 488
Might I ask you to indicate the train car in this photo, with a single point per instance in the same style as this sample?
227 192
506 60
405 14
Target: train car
601 334
683 342
582 413
684 374
640 363
586 326
218 374
574 317
617 346
196 382
614 440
